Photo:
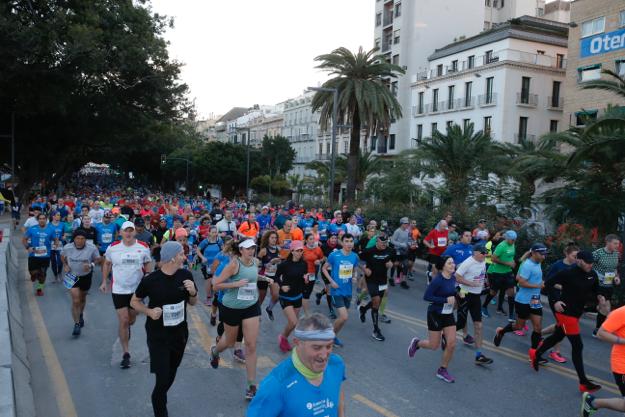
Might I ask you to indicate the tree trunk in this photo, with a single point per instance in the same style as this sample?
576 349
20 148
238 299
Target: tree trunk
352 159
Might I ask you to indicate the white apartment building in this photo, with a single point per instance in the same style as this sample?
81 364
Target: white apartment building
507 81
300 126
238 129
407 31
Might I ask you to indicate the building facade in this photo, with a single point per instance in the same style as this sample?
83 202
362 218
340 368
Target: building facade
507 81
407 31
300 126
596 43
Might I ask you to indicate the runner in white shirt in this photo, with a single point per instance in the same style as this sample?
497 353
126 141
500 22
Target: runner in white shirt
130 260
227 226
470 275
96 213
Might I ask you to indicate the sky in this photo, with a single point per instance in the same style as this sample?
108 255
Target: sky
246 52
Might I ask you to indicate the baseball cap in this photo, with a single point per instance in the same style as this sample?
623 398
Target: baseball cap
510 234
139 222
585 256
482 234
265 208
297 245
539 247
108 213
178 218
248 243
480 247
481 221
383 238
181 232
170 249
404 220
127 225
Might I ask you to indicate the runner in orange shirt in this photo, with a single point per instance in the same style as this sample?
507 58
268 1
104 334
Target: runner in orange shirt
285 237
249 228
313 255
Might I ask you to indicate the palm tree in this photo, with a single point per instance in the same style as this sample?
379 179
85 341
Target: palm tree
367 165
458 157
297 183
615 85
364 98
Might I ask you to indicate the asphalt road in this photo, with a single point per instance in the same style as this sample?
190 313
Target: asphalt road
81 377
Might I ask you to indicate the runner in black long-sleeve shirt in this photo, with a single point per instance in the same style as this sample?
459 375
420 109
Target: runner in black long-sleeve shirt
579 285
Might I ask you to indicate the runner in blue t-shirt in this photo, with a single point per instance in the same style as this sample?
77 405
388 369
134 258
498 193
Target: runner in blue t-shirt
527 302
309 383
343 264
38 241
462 250
208 250
106 232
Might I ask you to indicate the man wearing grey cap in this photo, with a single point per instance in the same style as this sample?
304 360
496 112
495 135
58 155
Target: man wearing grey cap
400 241
169 290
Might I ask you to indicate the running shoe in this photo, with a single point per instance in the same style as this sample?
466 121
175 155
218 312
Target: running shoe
213 320
39 292
208 302
444 375
283 344
214 357
318 298
384 319
589 386
81 321
493 301
534 359
468 340
413 347
404 285
501 312
337 342
391 282
483 360
125 363
76 331
332 315
269 313
363 313
377 335
556 357
250 392
594 333
519 332
587 408
485 312
498 336
239 355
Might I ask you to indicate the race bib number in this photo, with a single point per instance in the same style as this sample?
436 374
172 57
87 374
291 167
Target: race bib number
173 314
270 269
41 251
346 271
129 260
107 237
286 244
311 277
70 280
247 292
448 308
442 241
382 287
535 302
57 246
608 278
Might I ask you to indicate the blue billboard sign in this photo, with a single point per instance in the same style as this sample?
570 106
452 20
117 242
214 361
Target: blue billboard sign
603 43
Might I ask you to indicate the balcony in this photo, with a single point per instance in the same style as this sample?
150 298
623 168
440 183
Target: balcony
468 102
518 137
388 19
555 103
386 46
433 107
418 111
524 99
485 100
323 157
381 148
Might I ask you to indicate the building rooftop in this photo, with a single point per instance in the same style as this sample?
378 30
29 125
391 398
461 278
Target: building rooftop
233 113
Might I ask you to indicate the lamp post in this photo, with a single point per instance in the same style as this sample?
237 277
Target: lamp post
335 100
247 169
164 159
12 137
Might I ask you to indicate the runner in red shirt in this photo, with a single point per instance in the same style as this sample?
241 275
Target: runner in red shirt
436 242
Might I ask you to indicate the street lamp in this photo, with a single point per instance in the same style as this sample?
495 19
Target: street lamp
12 137
335 100
247 169
165 158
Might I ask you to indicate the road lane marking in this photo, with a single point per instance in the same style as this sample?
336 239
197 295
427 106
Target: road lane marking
378 408
206 341
55 370
559 369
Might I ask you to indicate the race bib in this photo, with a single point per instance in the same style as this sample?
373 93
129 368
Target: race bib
382 287
270 269
448 308
57 246
90 241
535 302
286 244
41 251
608 278
442 241
107 237
247 292
70 280
311 277
173 314
129 260
346 271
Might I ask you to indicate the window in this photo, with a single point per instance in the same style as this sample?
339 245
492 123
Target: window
540 52
320 148
328 147
487 3
374 142
620 67
396 59
555 94
345 147
471 62
488 120
559 60
435 100
525 90
501 3
622 19
391 144
454 65
377 43
465 124
593 27
488 57
522 127
421 99
439 70
553 126
419 132
434 128
489 89
378 19
398 10
396 37
450 96
592 72
468 86
540 12
581 117
394 88
449 124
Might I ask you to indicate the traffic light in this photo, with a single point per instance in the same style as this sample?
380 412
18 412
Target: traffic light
163 159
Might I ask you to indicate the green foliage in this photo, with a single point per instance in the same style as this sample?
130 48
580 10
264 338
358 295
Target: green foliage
396 184
277 155
265 184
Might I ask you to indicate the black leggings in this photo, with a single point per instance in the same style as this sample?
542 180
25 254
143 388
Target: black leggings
164 361
576 352
221 329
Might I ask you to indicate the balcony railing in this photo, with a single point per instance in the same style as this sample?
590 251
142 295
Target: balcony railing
555 103
418 111
323 156
520 136
525 99
388 19
386 46
487 100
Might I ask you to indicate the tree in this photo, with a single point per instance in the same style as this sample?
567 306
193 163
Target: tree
458 157
616 84
395 184
367 165
365 100
277 154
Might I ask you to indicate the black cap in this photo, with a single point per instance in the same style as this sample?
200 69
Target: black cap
139 222
539 247
79 232
585 256
383 237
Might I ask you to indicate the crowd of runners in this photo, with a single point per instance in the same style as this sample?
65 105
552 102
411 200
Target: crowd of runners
146 247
